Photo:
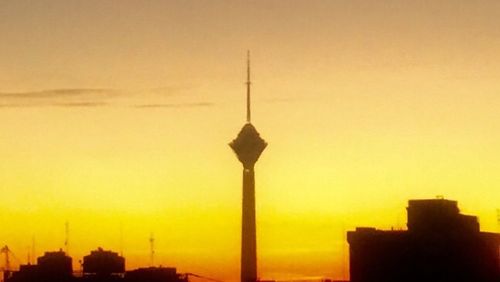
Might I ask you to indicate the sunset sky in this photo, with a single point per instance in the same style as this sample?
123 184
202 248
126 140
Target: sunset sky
115 116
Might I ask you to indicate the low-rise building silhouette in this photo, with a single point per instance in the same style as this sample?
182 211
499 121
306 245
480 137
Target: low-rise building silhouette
52 266
440 245
103 263
27 272
55 265
99 266
154 274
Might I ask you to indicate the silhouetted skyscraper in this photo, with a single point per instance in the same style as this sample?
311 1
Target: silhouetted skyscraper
248 146
440 245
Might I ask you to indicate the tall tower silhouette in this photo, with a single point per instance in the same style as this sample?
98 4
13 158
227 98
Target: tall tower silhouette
248 146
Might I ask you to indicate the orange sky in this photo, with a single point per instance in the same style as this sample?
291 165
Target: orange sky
364 104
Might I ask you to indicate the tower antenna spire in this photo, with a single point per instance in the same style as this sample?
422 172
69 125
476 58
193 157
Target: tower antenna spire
248 87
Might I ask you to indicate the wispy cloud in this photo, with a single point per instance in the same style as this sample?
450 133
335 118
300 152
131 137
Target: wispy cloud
58 97
58 93
160 97
281 100
179 105
6 105
81 104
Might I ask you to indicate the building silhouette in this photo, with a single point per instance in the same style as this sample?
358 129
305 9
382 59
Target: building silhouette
103 265
98 266
52 266
28 272
248 147
154 274
440 245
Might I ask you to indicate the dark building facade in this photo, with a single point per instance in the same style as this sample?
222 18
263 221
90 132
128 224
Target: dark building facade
440 245
103 266
154 274
103 263
52 266
28 272
55 265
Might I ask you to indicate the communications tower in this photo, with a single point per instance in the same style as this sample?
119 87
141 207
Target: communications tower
248 147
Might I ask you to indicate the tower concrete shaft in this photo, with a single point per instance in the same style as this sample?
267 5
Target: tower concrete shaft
248 230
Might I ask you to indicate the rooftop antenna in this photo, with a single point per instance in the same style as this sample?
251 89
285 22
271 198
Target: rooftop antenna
248 87
66 237
152 248
344 240
498 217
121 238
33 250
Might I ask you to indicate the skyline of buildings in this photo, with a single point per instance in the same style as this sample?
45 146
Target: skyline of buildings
99 266
440 244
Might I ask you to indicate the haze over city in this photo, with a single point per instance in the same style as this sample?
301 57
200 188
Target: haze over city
115 116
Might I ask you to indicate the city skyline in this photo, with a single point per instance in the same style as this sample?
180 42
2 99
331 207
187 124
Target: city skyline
117 117
439 244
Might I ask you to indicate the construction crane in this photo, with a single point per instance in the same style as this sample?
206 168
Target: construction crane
6 269
7 254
